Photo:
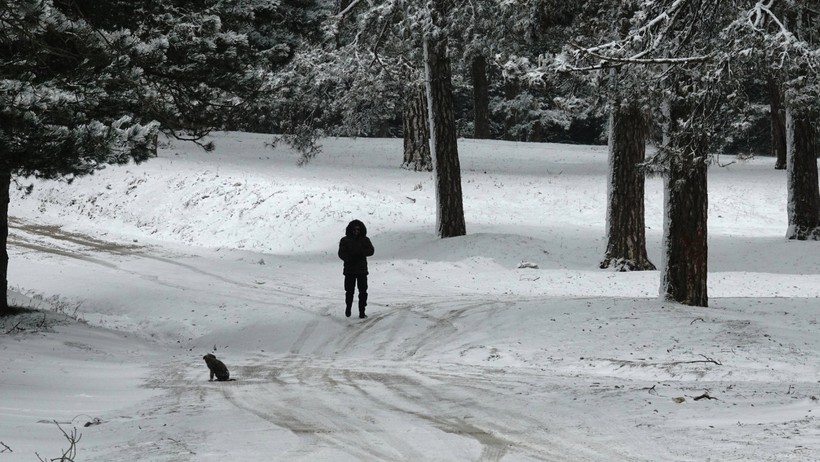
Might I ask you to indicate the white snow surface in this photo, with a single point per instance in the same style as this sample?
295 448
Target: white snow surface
464 356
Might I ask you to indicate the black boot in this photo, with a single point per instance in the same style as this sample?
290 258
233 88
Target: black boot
347 311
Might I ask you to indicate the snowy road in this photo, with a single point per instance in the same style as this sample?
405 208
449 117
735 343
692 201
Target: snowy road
435 378
341 388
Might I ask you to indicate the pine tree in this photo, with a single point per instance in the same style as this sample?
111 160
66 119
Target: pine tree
774 86
804 194
416 128
628 134
685 159
785 36
481 97
802 119
206 64
695 47
673 41
84 84
398 34
443 137
530 103
56 75
625 219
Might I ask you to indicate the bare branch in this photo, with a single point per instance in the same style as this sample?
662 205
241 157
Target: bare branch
70 453
8 332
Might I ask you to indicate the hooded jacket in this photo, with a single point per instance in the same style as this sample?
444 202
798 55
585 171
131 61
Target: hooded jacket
354 250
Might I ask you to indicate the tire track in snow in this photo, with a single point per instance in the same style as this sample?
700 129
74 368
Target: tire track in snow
50 239
316 423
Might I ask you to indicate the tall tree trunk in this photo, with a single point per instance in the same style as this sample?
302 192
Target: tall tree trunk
5 184
416 131
443 139
804 193
778 111
512 90
626 230
684 274
481 98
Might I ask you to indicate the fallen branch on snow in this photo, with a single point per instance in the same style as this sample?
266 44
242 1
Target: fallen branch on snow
624 362
705 359
16 326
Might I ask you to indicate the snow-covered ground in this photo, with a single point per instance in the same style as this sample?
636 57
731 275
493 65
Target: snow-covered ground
465 356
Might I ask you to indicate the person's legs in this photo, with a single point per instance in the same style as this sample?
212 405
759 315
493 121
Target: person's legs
350 284
362 281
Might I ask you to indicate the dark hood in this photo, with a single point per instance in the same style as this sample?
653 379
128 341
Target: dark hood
349 229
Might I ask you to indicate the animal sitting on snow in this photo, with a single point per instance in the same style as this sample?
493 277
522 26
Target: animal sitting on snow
217 368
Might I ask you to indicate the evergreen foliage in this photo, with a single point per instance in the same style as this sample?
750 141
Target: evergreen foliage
57 78
85 84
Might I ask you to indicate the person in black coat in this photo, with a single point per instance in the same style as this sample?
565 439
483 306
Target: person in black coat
354 249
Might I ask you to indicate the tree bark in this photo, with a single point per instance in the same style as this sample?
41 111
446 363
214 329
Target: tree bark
685 273
685 256
778 114
804 192
5 184
626 230
443 138
512 90
416 132
481 98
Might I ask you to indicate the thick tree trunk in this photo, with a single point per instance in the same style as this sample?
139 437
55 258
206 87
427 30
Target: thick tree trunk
685 273
416 132
5 184
804 191
443 140
626 233
481 98
778 111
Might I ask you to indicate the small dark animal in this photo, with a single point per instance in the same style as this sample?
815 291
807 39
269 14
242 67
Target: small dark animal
217 368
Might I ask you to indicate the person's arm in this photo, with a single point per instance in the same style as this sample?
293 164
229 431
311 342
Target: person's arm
367 247
344 252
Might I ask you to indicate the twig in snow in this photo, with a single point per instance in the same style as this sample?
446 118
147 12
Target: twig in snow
6 447
710 360
651 390
705 395
696 319
13 329
43 322
705 359
70 453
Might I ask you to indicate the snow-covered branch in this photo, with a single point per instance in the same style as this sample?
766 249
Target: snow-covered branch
664 17
636 59
347 10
